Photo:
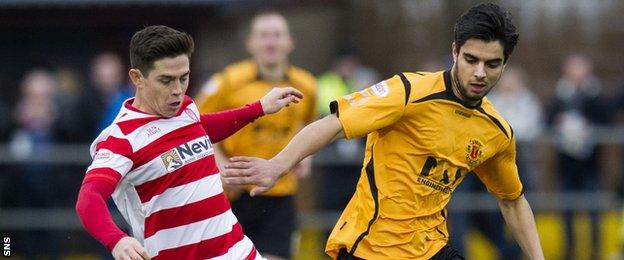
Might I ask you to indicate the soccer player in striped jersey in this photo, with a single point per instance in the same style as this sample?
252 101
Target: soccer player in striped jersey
425 132
157 162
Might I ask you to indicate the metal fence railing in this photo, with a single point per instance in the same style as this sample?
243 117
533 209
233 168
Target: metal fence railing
78 154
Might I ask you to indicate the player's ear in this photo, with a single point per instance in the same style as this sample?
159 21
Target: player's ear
455 51
136 77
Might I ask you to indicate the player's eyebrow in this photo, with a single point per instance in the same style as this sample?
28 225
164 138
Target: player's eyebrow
470 56
171 77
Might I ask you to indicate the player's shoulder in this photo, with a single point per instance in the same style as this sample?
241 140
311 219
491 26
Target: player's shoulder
488 108
418 75
240 72
420 84
111 136
130 119
302 78
425 80
189 106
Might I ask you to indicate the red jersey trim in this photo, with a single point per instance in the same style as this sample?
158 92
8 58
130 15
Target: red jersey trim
187 174
187 214
206 249
106 174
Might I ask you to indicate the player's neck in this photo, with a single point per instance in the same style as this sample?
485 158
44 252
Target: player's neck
456 85
138 104
273 72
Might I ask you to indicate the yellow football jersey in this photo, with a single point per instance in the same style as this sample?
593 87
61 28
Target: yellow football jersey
240 84
422 141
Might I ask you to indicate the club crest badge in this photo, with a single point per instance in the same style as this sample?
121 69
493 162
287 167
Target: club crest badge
474 152
192 115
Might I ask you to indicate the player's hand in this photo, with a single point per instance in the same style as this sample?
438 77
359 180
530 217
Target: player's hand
251 170
128 248
278 98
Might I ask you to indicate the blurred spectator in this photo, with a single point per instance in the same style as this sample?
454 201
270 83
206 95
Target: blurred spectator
271 216
437 64
68 85
515 101
577 108
100 103
35 115
618 118
346 75
67 97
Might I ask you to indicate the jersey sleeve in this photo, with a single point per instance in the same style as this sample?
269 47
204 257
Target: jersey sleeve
111 160
500 174
94 214
211 94
220 125
371 109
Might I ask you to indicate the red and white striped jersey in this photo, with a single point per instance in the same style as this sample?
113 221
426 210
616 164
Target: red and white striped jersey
167 185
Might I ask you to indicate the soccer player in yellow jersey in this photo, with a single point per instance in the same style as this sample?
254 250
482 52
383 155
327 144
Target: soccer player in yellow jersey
270 219
426 131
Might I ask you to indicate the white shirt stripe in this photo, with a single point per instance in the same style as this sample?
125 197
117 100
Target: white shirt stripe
156 168
152 131
191 233
111 130
108 159
156 129
147 172
239 250
129 205
184 194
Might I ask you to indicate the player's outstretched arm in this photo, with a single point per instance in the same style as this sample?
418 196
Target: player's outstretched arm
263 173
221 125
279 98
519 218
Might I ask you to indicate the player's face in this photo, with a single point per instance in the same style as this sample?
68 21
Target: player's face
269 41
478 67
162 91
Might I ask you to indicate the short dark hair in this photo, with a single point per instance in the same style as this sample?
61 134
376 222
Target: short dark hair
156 42
488 22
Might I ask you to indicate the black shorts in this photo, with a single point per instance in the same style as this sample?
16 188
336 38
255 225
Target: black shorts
270 222
446 253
